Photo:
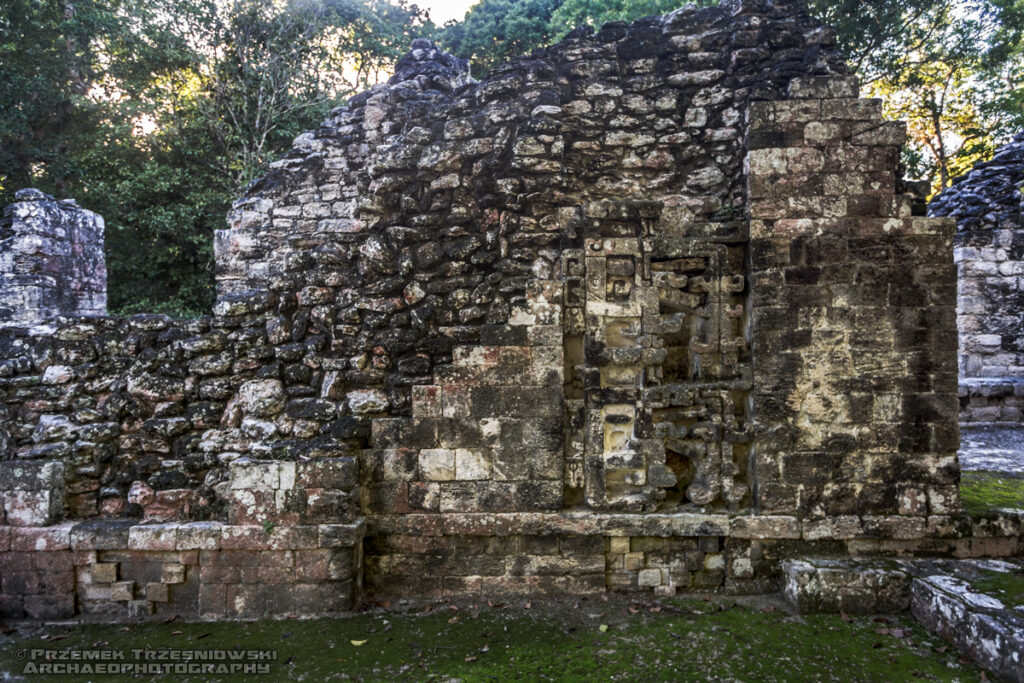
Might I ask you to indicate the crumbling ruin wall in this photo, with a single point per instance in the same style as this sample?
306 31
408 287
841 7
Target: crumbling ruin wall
645 310
51 260
988 205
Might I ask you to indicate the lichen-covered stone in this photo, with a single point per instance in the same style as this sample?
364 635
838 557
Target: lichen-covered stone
51 260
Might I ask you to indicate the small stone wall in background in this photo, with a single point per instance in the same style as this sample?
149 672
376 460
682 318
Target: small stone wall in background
51 260
989 251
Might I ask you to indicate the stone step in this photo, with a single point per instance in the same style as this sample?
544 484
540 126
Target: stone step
978 605
988 629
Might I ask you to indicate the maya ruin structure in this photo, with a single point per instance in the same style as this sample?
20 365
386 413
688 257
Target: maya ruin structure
988 205
651 309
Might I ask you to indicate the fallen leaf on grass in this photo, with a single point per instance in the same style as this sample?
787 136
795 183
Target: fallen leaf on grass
453 620
602 628
357 643
175 633
471 658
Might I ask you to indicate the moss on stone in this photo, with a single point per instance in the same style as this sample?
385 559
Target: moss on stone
1007 587
982 492
672 640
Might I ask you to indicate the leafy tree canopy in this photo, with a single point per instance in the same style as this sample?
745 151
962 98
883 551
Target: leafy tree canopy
157 113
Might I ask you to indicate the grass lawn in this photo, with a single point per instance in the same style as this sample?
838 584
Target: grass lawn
591 639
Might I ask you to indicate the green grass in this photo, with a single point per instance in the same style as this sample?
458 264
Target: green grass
982 492
673 640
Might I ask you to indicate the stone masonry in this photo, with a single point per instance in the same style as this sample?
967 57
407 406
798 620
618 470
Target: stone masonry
987 205
647 310
51 260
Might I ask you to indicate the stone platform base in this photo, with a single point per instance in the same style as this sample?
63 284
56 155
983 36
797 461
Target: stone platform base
992 400
954 599
120 570
458 554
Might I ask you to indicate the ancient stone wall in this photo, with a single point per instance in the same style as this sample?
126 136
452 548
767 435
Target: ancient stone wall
646 310
987 205
51 260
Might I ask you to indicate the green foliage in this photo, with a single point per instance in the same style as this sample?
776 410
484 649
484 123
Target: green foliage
952 71
574 13
157 113
494 31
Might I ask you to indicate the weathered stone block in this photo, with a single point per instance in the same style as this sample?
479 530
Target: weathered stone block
437 464
153 537
852 586
33 508
157 592
103 572
122 591
198 536
172 573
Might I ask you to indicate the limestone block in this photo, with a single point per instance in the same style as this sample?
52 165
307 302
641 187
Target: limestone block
157 592
122 591
104 572
471 463
437 464
172 573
